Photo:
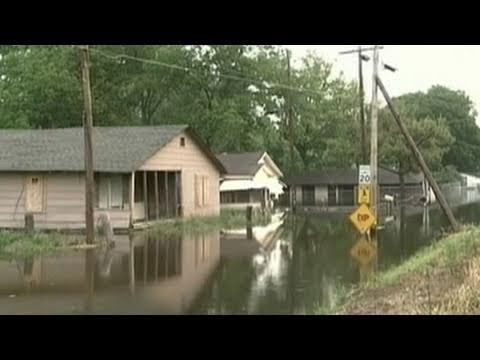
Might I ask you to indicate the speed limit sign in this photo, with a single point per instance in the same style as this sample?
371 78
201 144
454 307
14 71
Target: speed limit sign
364 175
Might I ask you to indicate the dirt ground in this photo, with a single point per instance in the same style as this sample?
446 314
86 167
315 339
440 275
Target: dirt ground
441 291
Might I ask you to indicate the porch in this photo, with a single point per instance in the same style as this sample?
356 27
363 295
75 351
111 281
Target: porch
156 195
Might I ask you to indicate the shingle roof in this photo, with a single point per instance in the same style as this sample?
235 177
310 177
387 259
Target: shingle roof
346 177
241 163
116 149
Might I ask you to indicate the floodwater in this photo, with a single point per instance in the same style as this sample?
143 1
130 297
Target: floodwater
292 266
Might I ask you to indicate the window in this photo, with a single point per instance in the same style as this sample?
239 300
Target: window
346 196
138 191
35 195
308 195
332 195
201 190
110 192
182 142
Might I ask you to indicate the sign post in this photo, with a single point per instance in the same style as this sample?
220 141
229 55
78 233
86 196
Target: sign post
364 251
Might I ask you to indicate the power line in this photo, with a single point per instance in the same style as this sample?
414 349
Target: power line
188 70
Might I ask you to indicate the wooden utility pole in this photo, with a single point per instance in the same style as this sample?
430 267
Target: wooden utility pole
289 113
374 137
362 106
361 57
418 156
88 130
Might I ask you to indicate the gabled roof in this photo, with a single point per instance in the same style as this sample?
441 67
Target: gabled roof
347 177
246 164
116 149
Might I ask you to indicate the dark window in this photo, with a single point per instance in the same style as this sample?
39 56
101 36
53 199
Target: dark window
332 195
346 196
138 197
243 196
308 195
182 141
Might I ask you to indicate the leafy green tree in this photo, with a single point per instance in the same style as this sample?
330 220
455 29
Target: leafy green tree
431 136
40 87
459 113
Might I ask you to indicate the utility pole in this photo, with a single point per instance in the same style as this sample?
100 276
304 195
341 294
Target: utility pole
418 156
374 137
362 57
88 129
362 105
289 112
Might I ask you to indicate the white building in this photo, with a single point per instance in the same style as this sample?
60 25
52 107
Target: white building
251 179
470 181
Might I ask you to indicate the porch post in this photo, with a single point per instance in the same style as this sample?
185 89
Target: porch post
131 198
145 195
167 209
157 205
176 195
179 192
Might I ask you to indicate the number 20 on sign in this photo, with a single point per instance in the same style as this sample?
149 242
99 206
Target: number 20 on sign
362 219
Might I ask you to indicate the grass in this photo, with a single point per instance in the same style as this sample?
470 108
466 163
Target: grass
446 252
22 244
440 258
227 220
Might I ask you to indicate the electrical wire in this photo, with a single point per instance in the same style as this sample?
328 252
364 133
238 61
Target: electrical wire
189 70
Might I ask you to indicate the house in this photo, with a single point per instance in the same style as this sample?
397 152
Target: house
470 181
141 174
251 179
334 188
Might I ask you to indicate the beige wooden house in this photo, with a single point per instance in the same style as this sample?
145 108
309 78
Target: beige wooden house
142 174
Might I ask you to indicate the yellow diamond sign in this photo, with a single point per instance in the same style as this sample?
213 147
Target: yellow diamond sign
363 252
362 218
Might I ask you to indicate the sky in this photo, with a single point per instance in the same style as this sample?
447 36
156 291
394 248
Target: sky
419 67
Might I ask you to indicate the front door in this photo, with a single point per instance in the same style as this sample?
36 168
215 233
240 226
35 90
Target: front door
34 194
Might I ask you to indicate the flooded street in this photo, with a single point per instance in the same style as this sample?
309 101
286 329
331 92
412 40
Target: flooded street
294 265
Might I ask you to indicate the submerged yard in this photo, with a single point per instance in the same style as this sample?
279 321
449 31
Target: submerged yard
24 244
294 265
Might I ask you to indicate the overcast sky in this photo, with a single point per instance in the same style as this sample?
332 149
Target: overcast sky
419 67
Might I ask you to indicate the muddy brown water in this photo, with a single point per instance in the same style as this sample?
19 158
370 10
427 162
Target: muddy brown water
292 266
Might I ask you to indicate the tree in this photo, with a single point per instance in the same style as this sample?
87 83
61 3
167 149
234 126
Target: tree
40 87
431 136
459 113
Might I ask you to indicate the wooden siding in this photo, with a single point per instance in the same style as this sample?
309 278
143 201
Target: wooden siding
64 203
191 161
65 192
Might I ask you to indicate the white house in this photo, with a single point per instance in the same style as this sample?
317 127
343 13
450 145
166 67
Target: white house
470 181
251 179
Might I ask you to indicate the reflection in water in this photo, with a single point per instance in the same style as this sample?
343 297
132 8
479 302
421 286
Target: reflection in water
311 260
291 266
365 255
165 275
89 279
